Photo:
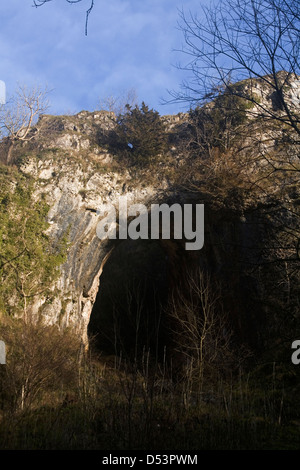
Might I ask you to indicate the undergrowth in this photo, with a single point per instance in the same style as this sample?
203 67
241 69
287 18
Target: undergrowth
111 404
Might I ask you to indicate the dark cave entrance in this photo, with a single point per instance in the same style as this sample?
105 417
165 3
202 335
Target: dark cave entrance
128 317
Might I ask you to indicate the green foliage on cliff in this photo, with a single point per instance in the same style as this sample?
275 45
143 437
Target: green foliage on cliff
28 261
141 135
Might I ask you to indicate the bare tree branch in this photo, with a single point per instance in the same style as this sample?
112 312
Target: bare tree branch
39 3
238 40
20 113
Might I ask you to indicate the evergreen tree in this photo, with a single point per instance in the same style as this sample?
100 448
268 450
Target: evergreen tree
141 134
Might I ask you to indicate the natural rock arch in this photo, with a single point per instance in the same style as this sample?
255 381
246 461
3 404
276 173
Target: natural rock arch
76 290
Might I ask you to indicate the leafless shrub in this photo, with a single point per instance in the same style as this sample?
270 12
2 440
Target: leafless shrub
202 332
39 359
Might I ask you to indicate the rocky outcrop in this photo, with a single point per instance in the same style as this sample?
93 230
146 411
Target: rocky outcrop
74 194
76 174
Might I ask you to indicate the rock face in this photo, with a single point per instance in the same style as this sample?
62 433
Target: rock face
75 188
77 175
74 199
75 192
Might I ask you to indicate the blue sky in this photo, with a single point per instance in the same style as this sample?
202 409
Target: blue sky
130 45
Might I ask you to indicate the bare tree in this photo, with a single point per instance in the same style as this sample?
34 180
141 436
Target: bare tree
243 62
117 104
39 356
238 40
202 332
20 114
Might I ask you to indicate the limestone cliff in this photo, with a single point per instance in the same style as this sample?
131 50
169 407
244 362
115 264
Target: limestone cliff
76 173
74 191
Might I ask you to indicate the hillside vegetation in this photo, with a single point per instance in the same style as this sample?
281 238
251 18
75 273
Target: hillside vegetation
229 382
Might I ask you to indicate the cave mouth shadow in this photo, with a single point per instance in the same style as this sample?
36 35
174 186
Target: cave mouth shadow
128 318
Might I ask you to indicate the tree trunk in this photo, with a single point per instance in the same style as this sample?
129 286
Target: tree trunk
9 157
